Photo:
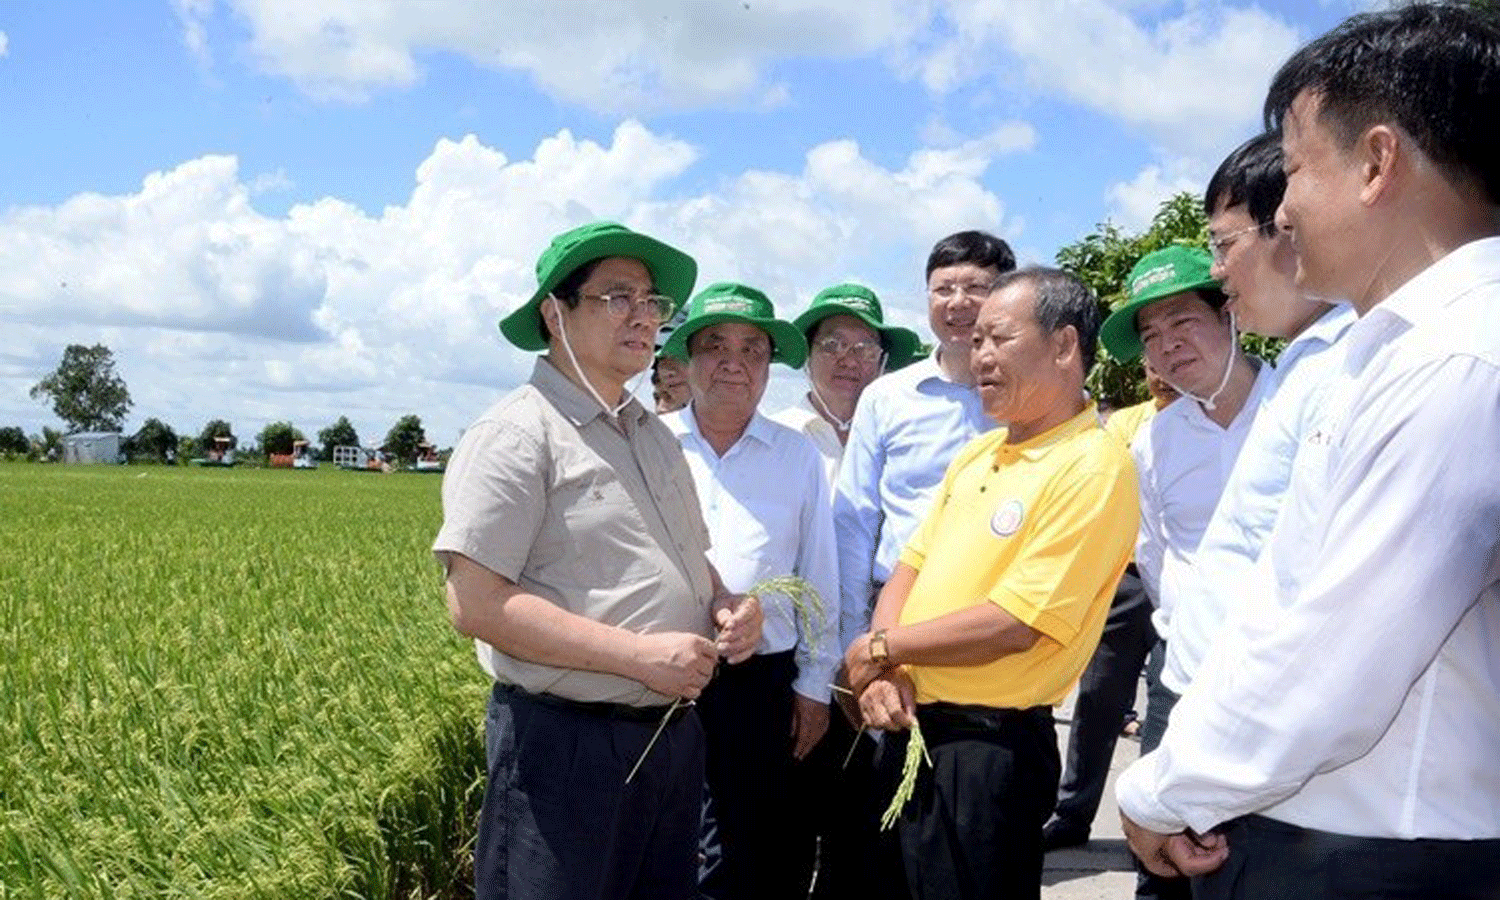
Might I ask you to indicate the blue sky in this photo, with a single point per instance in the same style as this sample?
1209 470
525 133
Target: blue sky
293 209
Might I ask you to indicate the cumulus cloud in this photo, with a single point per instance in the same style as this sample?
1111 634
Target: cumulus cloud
214 309
1192 80
4 44
186 251
631 57
1192 74
1134 203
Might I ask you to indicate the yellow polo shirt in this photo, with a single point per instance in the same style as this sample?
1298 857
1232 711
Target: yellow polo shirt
1043 528
1124 423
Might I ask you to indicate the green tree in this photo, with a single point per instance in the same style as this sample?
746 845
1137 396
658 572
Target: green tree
339 434
84 390
1105 257
402 440
215 428
278 438
13 442
48 444
154 439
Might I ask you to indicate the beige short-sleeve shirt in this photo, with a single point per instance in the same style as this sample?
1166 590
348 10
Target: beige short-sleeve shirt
544 490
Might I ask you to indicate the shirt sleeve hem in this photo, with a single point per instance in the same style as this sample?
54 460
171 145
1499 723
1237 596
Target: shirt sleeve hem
1052 626
469 544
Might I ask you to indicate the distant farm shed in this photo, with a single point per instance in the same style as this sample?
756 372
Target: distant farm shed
91 447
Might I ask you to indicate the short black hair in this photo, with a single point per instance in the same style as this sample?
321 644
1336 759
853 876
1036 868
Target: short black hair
1062 299
1252 176
1431 68
979 248
567 290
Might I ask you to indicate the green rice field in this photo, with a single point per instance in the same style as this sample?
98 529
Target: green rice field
230 683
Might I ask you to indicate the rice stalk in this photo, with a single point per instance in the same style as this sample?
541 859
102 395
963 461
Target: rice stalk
806 602
916 752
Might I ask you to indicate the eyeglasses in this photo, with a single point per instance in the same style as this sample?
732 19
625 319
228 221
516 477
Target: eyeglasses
973 291
1219 246
862 351
653 307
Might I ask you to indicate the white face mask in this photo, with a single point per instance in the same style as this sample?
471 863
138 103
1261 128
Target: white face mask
1208 402
562 332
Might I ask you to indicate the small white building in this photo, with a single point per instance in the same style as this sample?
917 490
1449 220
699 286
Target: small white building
91 447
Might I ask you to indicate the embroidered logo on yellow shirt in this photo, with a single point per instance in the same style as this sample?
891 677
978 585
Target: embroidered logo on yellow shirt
1007 518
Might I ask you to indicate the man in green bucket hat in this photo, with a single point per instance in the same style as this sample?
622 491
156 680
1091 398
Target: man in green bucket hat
1176 313
766 500
577 561
849 346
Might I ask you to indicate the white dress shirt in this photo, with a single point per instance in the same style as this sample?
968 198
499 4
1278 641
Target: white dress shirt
1252 496
1362 696
1184 458
804 417
767 505
908 426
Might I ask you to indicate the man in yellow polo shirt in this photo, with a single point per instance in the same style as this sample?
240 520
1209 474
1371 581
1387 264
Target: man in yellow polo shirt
999 599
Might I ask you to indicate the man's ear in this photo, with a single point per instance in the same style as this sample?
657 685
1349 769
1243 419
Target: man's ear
1065 343
549 312
1382 151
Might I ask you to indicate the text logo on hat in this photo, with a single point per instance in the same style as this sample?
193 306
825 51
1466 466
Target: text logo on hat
859 303
1152 276
729 305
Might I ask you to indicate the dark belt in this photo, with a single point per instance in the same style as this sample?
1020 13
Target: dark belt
951 721
617 711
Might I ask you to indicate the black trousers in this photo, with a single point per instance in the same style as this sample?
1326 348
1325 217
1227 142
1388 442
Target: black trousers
1106 692
973 829
835 831
747 717
1268 858
560 823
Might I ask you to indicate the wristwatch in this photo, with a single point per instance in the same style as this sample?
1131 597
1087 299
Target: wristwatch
880 654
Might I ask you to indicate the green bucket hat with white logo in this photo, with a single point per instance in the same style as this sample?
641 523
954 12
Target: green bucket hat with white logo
1159 274
672 271
850 299
729 301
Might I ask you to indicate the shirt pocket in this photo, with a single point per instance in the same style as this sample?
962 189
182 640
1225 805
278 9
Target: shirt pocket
604 541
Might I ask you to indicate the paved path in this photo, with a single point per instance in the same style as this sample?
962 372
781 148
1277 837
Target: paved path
1101 869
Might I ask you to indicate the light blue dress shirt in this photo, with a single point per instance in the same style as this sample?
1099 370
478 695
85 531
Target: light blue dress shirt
907 427
1252 497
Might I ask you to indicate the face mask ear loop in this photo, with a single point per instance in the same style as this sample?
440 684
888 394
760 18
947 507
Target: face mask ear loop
822 406
562 332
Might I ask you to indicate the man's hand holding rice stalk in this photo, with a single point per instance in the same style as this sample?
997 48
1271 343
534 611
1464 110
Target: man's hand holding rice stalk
739 617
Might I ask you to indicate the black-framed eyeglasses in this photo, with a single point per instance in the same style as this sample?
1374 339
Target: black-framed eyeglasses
863 351
1219 247
654 307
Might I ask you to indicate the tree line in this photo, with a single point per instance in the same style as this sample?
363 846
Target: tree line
87 394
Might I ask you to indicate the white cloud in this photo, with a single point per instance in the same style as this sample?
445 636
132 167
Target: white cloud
4 44
1189 75
186 251
214 309
270 183
1133 204
602 54
1194 80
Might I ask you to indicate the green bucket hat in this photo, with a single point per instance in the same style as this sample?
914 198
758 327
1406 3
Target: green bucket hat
1161 273
850 299
729 301
672 271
